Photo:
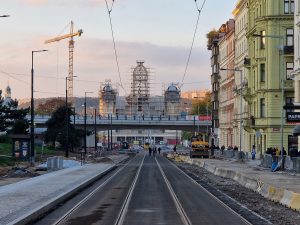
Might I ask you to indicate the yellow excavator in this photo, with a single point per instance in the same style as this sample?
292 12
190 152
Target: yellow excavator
199 148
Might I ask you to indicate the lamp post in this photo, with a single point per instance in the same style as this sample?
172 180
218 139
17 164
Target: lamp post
74 117
95 127
281 39
84 140
241 101
67 118
32 110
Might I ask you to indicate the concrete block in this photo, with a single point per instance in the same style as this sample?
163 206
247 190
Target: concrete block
286 198
275 194
229 154
55 163
295 201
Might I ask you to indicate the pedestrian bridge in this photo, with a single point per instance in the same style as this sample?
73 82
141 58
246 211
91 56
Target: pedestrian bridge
189 123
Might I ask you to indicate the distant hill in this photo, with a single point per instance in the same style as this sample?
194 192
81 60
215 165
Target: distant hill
79 104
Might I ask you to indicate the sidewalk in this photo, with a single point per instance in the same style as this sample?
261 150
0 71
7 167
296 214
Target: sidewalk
26 200
281 186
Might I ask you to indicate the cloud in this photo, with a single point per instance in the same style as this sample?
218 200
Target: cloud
94 62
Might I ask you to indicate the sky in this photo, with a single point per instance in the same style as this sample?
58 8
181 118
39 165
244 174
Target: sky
160 32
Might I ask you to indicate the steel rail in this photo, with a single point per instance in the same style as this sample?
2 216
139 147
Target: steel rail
69 212
218 200
124 209
184 217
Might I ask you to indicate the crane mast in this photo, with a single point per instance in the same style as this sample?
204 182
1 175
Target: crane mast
71 35
71 53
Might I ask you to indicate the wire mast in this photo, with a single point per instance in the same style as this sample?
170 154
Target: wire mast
71 53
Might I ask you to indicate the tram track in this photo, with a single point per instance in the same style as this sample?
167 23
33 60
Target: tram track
149 190
205 189
124 208
183 215
71 205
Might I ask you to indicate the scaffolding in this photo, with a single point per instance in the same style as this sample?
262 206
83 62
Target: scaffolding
138 99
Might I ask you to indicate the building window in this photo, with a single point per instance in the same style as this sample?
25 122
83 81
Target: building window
290 37
292 6
262 73
289 6
289 101
262 108
289 70
263 39
286 6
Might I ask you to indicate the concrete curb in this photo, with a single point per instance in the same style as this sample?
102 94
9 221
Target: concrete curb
285 197
45 207
36 213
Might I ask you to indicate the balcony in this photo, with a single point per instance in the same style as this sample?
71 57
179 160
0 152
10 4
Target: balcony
247 94
249 122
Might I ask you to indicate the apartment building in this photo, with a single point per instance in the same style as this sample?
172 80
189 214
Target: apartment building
269 87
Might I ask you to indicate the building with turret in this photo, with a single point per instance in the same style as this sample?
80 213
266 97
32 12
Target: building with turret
172 100
7 96
107 98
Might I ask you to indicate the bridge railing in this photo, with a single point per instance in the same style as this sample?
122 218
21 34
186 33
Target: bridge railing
123 119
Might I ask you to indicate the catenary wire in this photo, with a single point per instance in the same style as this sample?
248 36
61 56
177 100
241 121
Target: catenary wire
109 10
193 41
12 75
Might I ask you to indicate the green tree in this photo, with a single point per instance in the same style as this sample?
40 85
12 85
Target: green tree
57 128
186 135
12 119
3 125
202 104
16 118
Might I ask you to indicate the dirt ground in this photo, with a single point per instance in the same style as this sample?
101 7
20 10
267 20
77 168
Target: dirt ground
272 211
23 170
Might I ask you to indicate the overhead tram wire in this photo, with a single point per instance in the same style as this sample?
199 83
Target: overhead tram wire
109 10
192 46
13 77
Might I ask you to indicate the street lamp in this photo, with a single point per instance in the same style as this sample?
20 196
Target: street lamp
281 38
67 118
95 128
241 101
84 141
5 16
32 111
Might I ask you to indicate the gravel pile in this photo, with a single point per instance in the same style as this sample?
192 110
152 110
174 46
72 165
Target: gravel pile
274 212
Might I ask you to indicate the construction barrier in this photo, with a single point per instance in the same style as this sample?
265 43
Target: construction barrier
283 196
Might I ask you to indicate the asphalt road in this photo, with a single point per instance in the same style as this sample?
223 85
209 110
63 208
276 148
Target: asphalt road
148 191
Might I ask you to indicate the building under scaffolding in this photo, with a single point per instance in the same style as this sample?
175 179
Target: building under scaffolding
138 99
107 98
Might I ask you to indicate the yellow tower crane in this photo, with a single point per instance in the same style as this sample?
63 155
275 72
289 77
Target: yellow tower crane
71 51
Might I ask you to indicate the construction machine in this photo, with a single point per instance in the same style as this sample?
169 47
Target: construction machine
199 148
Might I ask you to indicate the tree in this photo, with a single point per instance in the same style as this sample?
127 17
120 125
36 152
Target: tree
49 106
57 128
12 119
2 114
204 105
